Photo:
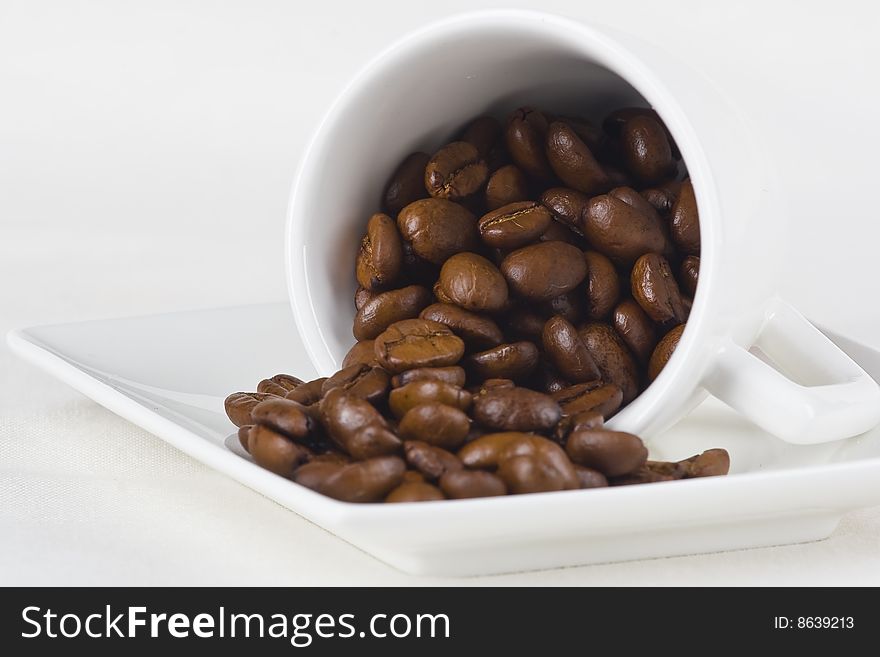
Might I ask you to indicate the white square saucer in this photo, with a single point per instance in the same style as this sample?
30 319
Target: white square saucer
170 373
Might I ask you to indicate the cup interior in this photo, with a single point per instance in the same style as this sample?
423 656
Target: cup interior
417 96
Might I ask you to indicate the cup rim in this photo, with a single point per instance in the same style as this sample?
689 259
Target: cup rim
607 52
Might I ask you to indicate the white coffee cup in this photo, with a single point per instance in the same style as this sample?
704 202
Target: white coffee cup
420 90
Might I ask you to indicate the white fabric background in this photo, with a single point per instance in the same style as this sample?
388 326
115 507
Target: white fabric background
146 151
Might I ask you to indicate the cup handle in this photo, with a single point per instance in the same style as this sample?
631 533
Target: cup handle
801 413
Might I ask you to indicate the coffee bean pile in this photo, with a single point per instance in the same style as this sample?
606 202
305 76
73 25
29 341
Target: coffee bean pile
521 285
374 432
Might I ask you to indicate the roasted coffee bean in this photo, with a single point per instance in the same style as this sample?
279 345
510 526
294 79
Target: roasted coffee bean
274 451
413 343
568 353
590 478
484 132
437 229
486 451
239 405
663 352
286 381
455 171
355 426
360 380
407 184
462 484
571 160
591 397
366 481
432 462
515 409
620 231
711 463
362 352
546 466
662 197
381 254
689 274
415 491
436 424
389 307
514 225
529 474
477 331
515 361
361 296
402 399
285 417
507 185
453 375
545 270
635 329
472 282
603 285
632 198
614 122
613 358
646 149
279 385
567 206
686 220
613 453
243 436
309 393
525 136
655 289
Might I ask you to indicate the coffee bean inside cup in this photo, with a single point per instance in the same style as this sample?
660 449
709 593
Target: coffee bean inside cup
517 286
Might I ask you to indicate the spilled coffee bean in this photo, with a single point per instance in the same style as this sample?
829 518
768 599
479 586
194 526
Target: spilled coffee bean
239 406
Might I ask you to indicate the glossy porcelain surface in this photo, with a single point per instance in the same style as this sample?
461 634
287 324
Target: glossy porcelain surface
163 373
421 90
